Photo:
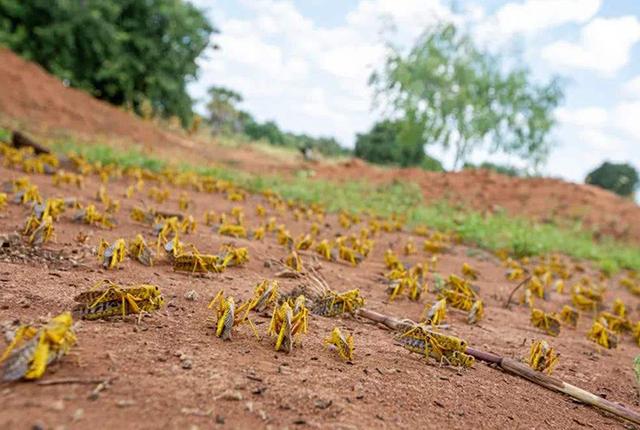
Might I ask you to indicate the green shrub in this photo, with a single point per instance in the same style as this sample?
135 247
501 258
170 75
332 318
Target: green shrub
622 178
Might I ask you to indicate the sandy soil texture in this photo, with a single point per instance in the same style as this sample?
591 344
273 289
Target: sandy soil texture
170 371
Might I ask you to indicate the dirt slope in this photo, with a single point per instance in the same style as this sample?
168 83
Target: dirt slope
40 102
29 94
544 199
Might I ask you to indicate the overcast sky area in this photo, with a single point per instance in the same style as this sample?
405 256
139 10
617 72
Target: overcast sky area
305 64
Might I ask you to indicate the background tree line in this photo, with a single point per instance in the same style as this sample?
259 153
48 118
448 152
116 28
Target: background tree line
444 91
225 117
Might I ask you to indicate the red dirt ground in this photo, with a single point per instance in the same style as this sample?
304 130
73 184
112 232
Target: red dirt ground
40 103
385 387
543 199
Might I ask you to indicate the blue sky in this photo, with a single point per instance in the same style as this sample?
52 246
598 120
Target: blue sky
305 64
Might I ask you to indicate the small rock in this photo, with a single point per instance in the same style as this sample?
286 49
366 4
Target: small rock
124 403
38 425
254 378
249 406
231 395
196 412
263 415
259 390
78 414
187 364
219 419
57 405
191 295
323 404
284 370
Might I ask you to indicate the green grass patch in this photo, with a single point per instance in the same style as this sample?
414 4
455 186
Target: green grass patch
105 155
520 236
5 135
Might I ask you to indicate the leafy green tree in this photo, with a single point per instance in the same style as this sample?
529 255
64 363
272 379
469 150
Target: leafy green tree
122 51
431 164
451 93
268 130
329 146
379 145
224 116
622 178
391 142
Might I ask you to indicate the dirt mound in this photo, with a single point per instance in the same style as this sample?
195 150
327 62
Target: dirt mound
544 199
30 95
40 102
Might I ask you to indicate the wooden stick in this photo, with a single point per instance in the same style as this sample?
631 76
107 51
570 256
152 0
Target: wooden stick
519 369
555 384
69 381
20 140
524 281
392 323
103 385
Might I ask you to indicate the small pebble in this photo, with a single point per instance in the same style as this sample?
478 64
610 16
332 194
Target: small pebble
191 295
78 414
123 403
231 395
57 405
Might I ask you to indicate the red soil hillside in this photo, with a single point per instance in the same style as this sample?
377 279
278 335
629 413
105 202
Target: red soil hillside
40 102
32 96
544 199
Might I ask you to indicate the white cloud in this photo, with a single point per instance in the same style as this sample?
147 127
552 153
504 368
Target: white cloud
626 117
527 19
600 142
631 88
604 46
537 15
409 17
600 130
590 135
315 77
582 117
344 62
